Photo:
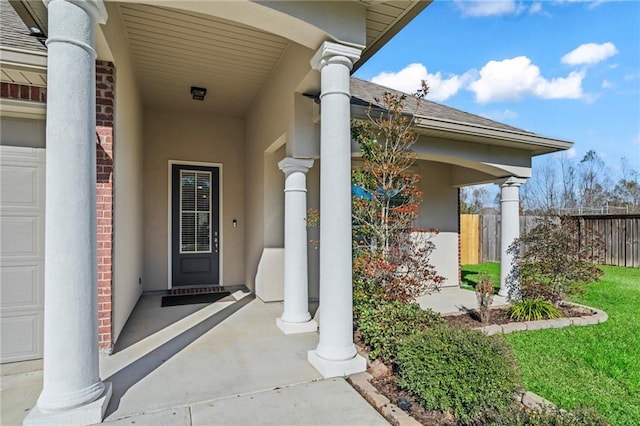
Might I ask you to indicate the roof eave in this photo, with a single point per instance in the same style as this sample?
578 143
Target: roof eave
536 143
400 23
22 58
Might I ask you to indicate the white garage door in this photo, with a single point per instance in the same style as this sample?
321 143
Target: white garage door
22 197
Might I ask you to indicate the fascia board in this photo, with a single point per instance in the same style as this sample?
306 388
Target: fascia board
547 144
23 59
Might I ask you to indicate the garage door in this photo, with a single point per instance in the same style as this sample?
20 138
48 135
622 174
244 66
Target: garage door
22 197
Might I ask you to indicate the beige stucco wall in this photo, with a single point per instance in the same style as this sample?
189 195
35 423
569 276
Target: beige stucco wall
267 122
175 135
439 210
127 175
273 199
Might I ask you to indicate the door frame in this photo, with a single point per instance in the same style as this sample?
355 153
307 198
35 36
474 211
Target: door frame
171 163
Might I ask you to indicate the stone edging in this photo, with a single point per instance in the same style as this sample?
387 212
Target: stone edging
397 417
390 411
597 317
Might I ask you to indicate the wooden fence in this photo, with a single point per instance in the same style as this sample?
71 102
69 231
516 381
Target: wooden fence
620 235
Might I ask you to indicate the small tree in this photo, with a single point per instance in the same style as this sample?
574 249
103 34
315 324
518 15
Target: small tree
393 253
554 259
484 294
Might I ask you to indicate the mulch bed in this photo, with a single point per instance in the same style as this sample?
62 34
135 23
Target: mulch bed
386 386
471 319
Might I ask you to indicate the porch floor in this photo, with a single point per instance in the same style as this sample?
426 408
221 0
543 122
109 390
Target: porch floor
223 363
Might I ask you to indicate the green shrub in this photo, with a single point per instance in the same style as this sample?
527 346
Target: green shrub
383 325
554 259
458 370
516 416
532 310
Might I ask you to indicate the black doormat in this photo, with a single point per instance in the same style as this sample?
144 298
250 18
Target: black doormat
192 299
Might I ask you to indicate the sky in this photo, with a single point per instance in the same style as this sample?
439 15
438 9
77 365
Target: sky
567 69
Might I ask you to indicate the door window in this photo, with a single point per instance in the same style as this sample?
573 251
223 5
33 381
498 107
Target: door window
195 211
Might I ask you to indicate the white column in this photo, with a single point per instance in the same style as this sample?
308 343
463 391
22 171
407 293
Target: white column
72 390
336 354
509 225
295 316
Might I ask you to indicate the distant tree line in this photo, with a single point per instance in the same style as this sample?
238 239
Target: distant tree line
564 185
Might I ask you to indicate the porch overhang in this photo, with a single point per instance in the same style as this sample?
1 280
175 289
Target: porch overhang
527 141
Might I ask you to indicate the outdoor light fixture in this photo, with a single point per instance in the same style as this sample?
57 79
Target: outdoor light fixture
197 93
38 34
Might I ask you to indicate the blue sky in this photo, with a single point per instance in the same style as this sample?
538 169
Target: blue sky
567 69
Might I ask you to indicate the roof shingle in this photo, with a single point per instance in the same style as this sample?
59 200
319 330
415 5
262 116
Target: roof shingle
366 93
14 33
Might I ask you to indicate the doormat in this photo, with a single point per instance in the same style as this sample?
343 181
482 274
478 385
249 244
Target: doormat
192 299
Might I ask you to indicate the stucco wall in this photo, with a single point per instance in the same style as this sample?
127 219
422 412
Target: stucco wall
273 199
180 136
439 210
267 122
127 175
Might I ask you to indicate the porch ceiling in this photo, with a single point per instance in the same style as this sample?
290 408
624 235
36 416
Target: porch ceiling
173 50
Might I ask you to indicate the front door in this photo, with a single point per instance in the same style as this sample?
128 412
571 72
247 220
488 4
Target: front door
195 212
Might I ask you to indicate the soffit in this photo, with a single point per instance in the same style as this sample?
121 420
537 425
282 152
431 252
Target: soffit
173 50
385 19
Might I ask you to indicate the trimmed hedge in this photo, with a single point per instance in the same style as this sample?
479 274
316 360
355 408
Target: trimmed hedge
458 370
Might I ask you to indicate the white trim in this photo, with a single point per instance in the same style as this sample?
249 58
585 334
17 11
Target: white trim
22 109
171 163
23 59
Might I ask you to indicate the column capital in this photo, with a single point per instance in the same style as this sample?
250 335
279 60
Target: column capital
291 165
95 8
510 181
335 52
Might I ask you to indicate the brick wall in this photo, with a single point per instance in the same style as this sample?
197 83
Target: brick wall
23 92
105 90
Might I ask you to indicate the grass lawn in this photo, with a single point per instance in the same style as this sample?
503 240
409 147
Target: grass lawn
470 274
596 366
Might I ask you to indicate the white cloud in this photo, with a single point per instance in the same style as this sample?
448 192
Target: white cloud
501 115
591 3
482 8
571 153
606 84
408 80
590 53
512 79
535 8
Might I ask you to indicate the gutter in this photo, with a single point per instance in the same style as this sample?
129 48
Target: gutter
470 129
23 59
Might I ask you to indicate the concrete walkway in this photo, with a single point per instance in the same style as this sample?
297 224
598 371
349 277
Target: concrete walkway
224 363
454 299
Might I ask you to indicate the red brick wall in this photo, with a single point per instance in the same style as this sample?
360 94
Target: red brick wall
105 90
23 92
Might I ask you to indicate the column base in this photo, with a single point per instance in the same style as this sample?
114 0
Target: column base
297 327
86 415
328 368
